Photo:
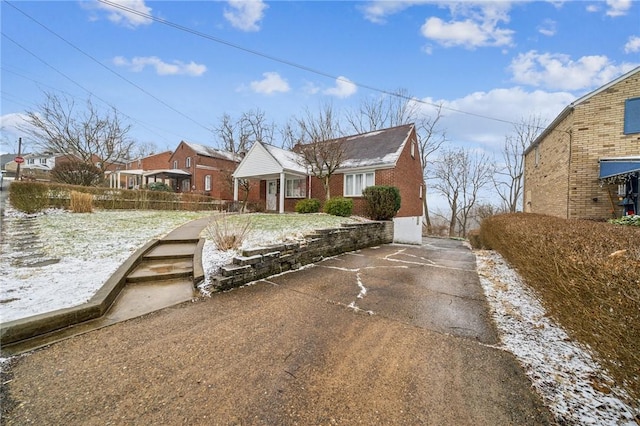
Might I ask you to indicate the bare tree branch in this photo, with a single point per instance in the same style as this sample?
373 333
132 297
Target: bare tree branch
88 135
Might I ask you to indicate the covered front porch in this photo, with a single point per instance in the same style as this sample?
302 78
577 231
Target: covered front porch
283 177
135 179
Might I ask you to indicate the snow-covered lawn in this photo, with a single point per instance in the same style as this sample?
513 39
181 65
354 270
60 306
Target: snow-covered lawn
58 259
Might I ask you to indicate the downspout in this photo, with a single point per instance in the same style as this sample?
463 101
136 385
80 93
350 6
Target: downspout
569 172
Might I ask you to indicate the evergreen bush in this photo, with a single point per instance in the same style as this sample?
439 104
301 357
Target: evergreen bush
308 205
339 206
383 202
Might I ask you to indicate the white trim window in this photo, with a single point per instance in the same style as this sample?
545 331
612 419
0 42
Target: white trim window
175 164
355 183
295 188
207 183
188 162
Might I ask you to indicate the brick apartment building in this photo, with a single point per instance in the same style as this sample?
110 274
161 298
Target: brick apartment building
586 164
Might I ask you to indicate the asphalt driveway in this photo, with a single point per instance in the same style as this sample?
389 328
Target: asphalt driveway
389 335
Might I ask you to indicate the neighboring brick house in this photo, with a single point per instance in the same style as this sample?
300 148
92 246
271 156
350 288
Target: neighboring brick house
140 172
208 170
586 164
383 157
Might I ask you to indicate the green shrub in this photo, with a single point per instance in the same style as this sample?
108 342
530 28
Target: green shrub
339 206
29 197
633 220
383 202
308 205
160 186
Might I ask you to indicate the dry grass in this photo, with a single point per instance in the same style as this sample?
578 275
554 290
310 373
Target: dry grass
588 275
227 234
81 202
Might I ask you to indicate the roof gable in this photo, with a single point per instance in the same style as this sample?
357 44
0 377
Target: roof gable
569 108
263 159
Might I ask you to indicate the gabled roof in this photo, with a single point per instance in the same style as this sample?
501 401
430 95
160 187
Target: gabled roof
375 149
208 151
569 108
263 159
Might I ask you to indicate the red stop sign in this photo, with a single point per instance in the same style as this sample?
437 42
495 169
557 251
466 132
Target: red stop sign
19 160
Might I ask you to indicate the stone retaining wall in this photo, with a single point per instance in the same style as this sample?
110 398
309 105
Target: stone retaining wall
258 263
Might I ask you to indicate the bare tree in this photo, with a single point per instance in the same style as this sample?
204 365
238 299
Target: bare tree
237 136
390 110
316 137
459 176
57 126
397 109
430 140
508 179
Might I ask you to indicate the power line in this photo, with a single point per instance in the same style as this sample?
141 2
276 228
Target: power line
107 68
294 64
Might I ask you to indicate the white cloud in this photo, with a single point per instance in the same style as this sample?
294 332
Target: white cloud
560 72
310 88
272 83
488 116
548 28
123 17
633 45
245 14
343 88
618 7
473 25
376 11
139 63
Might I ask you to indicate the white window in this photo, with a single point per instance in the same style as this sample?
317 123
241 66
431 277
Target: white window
188 162
31 161
413 149
175 164
295 188
421 192
43 161
355 183
207 183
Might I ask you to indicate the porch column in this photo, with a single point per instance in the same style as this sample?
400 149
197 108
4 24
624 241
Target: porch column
282 183
235 189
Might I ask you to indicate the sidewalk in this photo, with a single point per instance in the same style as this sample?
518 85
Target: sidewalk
161 274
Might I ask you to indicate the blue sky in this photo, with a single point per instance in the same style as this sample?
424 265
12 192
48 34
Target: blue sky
497 59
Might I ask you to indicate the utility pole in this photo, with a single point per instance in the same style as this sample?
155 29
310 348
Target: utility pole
19 155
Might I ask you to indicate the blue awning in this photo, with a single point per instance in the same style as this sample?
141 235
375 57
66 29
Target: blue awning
618 167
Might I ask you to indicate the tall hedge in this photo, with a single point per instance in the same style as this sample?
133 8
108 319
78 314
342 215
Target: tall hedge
383 202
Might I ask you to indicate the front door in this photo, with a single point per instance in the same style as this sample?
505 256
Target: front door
272 189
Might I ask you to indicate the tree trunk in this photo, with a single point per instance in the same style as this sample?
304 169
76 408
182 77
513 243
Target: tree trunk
327 188
427 219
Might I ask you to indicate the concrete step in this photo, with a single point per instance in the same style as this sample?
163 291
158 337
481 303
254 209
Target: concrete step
172 250
160 270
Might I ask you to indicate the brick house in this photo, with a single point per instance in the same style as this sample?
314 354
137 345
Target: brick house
142 171
383 157
586 164
207 170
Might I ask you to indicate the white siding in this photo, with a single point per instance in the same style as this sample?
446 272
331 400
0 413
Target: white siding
257 162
